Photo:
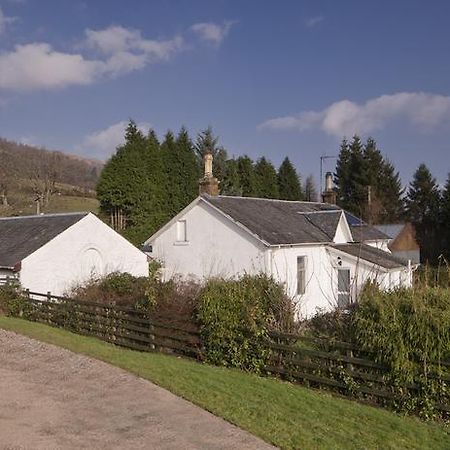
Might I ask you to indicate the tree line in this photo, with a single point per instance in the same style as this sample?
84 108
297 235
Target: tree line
368 185
146 182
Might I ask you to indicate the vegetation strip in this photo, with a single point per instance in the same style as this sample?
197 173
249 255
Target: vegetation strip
288 416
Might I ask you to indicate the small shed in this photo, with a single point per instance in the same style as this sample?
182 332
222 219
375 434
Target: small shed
55 252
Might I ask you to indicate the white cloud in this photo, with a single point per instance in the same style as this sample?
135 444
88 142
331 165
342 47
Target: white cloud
5 21
121 50
344 118
313 21
37 65
102 143
213 32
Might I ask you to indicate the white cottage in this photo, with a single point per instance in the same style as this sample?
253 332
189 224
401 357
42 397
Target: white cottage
55 252
321 254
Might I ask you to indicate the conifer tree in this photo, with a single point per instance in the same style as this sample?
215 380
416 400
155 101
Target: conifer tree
422 206
230 184
131 186
289 185
310 189
247 176
266 179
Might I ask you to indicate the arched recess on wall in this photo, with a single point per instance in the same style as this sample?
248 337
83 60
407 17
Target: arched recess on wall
91 263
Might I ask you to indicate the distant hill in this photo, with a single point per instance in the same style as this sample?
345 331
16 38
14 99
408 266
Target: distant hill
35 179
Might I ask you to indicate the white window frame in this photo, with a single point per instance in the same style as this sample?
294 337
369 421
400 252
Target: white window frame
301 280
181 232
347 293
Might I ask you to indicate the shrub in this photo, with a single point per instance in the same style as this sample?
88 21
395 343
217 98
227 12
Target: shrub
116 288
235 317
408 329
13 302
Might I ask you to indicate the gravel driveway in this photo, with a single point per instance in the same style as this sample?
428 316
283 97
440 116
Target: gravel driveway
51 398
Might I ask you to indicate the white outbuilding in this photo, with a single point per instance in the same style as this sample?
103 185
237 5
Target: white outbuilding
55 252
322 254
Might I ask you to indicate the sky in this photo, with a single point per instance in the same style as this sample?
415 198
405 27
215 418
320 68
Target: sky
273 78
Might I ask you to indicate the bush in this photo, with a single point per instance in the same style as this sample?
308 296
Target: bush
116 288
408 329
235 317
13 302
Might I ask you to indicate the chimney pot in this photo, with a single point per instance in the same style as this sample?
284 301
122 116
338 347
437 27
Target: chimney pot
208 184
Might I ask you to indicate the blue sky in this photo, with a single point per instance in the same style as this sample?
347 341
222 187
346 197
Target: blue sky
272 78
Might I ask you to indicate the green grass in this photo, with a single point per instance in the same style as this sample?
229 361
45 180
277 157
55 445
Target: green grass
289 416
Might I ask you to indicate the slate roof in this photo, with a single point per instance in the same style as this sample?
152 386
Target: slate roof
279 222
363 232
371 254
391 230
22 236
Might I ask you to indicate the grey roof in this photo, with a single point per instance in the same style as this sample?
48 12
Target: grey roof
392 230
361 231
279 222
371 254
22 236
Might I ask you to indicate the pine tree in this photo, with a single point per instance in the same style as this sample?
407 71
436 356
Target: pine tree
422 206
310 189
190 170
266 179
131 186
247 176
368 185
230 184
289 185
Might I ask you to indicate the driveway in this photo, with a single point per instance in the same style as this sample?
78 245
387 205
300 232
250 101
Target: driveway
51 398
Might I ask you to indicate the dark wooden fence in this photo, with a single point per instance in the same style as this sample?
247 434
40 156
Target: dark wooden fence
326 363
122 326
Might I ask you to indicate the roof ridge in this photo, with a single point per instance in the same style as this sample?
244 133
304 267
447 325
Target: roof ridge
268 199
37 216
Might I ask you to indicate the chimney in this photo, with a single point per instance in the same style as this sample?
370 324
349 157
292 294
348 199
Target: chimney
329 194
208 184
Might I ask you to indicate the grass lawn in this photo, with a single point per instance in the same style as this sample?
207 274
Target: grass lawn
289 416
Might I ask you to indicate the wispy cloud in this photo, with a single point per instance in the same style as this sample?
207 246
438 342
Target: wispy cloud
101 144
314 21
344 118
213 32
5 21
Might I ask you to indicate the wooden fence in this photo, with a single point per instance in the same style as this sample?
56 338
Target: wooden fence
122 326
326 363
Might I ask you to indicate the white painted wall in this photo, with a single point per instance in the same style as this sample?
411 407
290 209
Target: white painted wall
87 248
322 264
215 247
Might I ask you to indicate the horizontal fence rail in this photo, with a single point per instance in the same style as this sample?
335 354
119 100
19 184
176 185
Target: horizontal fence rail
316 362
122 326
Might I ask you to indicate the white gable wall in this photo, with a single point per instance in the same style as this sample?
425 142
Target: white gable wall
343 233
87 248
215 247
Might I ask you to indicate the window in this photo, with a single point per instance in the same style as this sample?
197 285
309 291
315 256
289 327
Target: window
301 275
181 231
343 288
